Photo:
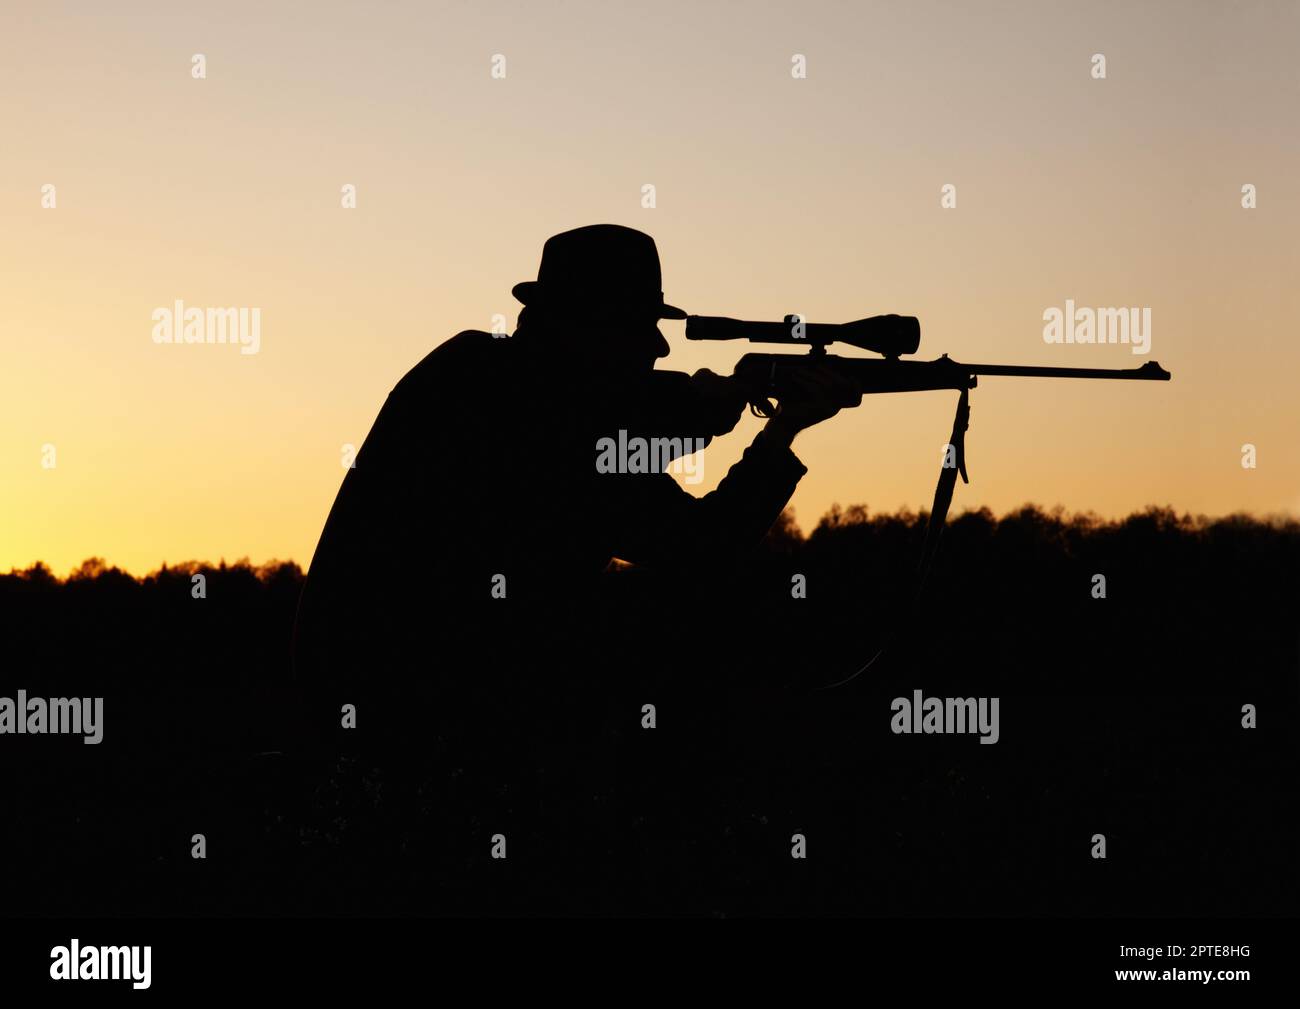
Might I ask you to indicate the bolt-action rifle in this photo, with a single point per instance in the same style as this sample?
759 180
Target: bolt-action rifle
891 336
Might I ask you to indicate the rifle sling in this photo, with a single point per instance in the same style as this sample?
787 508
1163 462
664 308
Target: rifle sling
934 528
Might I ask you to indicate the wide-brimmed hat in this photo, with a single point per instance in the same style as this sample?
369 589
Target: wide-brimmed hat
599 267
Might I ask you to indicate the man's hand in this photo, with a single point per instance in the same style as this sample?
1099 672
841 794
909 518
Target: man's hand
721 399
823 392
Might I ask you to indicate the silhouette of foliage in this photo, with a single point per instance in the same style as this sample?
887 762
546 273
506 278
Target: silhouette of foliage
1119 714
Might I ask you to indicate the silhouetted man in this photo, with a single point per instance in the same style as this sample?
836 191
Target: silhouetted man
471 535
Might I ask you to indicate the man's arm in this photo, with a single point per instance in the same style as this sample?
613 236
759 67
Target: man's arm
656 522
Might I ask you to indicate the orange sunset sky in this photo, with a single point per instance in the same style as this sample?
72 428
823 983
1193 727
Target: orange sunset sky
773 195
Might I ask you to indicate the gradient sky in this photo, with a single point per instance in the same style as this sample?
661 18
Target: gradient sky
774 195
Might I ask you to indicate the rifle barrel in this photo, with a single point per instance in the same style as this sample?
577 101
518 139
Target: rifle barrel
1149 372
769 374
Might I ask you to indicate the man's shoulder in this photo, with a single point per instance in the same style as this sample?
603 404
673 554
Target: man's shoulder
466 347
466 353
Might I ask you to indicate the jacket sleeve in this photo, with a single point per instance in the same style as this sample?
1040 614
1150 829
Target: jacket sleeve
656 522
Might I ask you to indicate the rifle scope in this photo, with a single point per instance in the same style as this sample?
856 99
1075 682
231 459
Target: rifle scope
891 335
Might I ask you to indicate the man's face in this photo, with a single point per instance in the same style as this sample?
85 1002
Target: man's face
623 344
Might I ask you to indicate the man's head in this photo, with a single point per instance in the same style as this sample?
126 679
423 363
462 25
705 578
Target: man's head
598 293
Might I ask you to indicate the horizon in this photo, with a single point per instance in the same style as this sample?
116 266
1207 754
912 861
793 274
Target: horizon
788 520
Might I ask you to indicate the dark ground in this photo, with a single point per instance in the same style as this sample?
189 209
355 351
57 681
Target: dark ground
1119 716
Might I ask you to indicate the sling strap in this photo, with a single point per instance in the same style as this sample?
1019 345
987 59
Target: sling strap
954 462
